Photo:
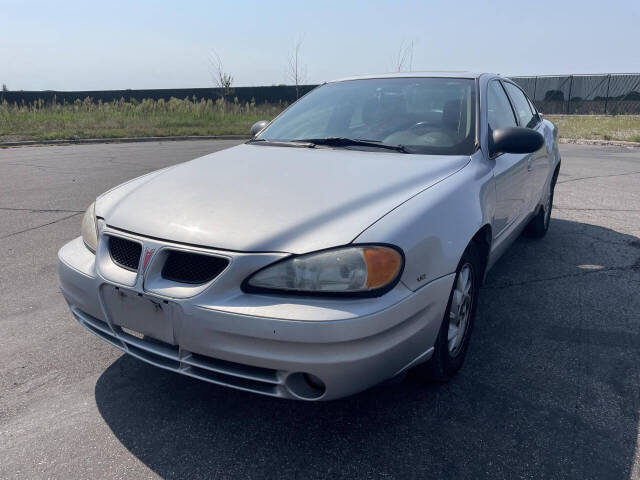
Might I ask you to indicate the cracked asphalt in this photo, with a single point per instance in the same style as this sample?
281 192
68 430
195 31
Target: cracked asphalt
551 387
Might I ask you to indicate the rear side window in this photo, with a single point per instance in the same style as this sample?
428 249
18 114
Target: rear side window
521 104
500 113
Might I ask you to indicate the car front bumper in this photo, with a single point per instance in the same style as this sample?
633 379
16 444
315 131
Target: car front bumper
348 345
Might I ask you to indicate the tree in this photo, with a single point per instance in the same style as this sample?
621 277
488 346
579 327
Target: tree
4 87
221 79
404 57
296 73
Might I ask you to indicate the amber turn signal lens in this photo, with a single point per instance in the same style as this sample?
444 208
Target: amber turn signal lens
383 265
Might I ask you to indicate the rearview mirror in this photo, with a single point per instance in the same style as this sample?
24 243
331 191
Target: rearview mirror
514 140
258 127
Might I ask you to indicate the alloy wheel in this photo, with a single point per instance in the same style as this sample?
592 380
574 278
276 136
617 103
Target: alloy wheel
460 311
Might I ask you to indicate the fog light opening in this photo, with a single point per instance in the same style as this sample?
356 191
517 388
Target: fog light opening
305 385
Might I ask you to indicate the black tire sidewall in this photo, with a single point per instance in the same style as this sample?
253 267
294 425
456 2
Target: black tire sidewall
536 227
442 365
542 228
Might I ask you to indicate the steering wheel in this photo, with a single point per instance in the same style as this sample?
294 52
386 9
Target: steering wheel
431 133
424 124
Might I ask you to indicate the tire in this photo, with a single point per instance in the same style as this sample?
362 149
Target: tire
539 225
449 355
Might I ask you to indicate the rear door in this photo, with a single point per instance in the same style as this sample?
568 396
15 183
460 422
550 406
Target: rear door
510 169
537 162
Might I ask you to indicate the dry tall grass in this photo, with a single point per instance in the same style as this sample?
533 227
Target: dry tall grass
160 118
88 119
621 127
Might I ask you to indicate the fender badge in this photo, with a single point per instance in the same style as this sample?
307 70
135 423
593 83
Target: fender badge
148 253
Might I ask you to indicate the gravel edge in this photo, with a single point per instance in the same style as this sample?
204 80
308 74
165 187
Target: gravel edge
610 143
35 143
80 141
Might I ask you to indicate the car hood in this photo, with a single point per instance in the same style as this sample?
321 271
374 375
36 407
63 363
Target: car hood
268 198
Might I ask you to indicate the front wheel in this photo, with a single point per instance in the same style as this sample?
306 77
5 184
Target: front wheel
451 345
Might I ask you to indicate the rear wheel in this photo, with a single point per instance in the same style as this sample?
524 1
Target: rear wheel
538 226
451 345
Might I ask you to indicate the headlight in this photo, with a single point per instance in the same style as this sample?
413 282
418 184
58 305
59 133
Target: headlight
89 232
368 270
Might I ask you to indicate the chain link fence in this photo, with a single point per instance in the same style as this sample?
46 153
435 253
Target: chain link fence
606 94
272 94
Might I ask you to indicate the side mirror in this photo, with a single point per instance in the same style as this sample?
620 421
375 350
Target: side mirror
258 127
515 140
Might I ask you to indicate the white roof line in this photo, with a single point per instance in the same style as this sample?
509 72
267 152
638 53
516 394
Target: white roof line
423 74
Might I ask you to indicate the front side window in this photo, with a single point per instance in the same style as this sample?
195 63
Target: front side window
499 111
424 115
521 104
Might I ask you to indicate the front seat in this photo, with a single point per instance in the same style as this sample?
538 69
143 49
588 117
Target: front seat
452 118
383 114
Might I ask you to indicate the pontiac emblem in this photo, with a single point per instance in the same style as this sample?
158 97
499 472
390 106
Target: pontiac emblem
148 253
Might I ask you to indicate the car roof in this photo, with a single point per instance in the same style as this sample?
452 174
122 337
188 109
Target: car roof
425 74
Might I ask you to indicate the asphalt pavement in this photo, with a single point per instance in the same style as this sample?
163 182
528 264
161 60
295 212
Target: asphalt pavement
550 389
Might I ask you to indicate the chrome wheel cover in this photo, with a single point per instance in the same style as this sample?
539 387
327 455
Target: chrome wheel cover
460 311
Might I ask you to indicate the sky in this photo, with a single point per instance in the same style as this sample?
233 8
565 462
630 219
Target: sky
86 45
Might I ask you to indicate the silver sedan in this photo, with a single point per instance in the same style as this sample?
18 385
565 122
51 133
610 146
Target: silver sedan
343 245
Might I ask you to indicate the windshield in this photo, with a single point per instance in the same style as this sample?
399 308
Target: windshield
425 115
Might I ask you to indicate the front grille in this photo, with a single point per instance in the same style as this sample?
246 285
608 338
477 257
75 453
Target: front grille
125 253
185 267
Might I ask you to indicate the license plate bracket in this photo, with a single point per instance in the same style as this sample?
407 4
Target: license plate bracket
149 316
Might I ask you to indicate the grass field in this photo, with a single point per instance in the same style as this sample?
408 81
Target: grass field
86 119
625 128
129 119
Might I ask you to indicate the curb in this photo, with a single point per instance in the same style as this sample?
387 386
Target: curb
604 143
80 141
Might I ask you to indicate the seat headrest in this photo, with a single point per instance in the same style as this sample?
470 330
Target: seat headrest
452 115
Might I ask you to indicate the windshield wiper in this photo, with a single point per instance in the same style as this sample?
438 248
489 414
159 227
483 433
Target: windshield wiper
346 142
282 143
